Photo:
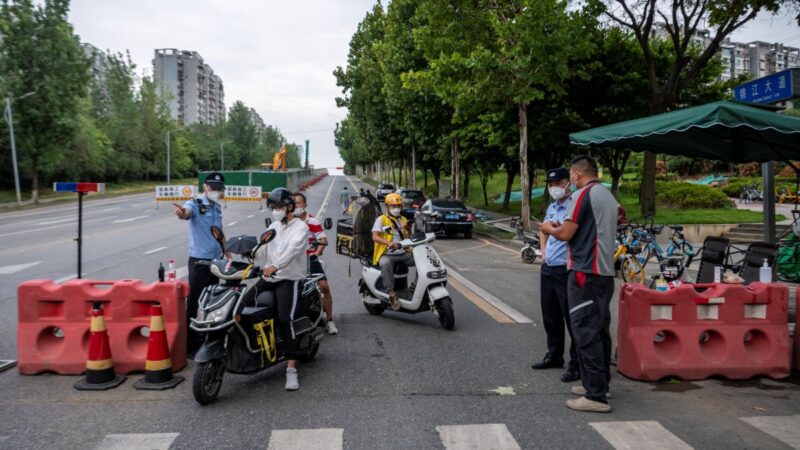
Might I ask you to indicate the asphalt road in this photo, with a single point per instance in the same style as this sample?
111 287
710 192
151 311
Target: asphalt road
394 381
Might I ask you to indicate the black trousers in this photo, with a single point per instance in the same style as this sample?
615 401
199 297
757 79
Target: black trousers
200 277
287 301
555 313
589 299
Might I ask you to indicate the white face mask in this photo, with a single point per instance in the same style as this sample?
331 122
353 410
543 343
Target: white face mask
557 192
213 196
278 214
394 211
299 211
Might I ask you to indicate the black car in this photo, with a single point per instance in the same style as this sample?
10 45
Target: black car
446 216
412 201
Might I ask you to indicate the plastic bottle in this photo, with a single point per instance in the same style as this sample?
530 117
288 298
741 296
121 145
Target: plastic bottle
161 272
661 284
171 275
765 273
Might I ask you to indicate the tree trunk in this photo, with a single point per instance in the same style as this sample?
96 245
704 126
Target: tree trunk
436 174
615 176
35 187
456 173
484 181
511 173
425 176
525 209
647 191
466 174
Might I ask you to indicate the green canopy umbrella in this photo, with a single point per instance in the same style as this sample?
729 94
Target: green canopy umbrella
725 130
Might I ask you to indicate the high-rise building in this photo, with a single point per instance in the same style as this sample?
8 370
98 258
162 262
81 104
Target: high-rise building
99 61
192 90
256 119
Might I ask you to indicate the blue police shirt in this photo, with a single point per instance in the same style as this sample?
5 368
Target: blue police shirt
556 251
201 242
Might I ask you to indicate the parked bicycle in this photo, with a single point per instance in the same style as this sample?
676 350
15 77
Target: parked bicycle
631 270
751 193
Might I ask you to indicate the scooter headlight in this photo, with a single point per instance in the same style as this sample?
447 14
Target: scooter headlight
437 274
219 314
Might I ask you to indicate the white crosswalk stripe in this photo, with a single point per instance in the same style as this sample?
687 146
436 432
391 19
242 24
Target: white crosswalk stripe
318 439
639 435
783 428
137 441
490 436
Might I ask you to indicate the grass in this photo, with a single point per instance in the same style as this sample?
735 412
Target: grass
497 185
8 198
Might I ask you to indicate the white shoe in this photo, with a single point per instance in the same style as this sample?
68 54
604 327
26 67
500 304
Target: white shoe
292 383
331 327
580 390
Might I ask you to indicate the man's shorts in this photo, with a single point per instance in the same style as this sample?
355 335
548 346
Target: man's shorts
315 266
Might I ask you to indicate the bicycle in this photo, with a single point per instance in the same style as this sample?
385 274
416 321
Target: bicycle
673 260
751 193
630 268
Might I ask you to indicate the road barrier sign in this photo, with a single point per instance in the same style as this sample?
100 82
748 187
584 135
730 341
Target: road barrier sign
175 193
242 193
82 189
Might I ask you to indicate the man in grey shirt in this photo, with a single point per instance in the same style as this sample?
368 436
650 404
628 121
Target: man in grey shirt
589 229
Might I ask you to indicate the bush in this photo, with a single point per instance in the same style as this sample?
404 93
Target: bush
687 196
629 188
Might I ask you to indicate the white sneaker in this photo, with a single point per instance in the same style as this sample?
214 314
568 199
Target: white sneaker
580 390
292 383
332 328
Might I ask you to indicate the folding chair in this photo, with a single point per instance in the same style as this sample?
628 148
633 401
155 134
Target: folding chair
757 252
714 254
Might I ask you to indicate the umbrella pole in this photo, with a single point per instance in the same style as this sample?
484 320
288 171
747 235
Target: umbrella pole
768 175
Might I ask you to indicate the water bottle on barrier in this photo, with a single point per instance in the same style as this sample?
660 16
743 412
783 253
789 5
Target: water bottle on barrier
661 284
171 275
161 272
765 273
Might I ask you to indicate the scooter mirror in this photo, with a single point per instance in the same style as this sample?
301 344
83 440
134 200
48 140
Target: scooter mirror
328 223
267 236
267 222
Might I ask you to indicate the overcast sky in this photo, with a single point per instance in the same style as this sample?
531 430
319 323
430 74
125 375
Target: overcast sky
276 56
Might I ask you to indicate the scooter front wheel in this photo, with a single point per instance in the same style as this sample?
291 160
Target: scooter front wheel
446 316
528 255
207 381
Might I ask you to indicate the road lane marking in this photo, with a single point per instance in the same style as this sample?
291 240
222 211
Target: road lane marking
35 230
639 435
67 278
232 224
460 250
484 436
516 252
137 441
512 313
110 209
53 222
325 202
783 428
318 439
155 250
130 220
482 304
8 270
251 216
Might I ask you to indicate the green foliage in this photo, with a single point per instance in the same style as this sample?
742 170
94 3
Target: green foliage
688 195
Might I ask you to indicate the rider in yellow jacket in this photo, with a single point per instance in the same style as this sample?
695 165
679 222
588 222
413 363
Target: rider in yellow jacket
387 232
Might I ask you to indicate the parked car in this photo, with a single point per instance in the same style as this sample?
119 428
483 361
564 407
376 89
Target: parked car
412 201
383 190
446 216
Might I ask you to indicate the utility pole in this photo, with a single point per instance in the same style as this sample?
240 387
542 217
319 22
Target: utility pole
306 153
9 115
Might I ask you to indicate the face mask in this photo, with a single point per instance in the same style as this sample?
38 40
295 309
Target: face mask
299 211
213 196
278 214
557 192
394 211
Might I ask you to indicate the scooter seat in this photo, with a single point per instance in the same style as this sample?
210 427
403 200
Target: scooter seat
256 314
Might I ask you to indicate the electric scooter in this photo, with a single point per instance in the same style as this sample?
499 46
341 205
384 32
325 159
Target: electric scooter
429 292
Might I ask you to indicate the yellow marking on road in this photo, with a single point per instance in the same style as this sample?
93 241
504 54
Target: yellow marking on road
516 252
482 304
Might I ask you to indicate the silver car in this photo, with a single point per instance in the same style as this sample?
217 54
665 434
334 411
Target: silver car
383 190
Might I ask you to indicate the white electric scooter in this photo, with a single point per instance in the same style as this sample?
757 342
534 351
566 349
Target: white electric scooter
429 293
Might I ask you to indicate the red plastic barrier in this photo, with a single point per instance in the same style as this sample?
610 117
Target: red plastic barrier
727 330
53 328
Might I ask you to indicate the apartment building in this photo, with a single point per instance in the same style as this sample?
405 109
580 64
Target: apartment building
193 92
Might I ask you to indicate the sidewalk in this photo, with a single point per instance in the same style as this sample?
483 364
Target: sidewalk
784 209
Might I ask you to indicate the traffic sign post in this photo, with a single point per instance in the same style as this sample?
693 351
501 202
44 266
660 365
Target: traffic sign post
81 189
778 87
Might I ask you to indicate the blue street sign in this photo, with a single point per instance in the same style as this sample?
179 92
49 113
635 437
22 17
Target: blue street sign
779 86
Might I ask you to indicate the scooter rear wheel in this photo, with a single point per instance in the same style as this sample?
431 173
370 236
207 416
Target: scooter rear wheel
528 256
444 308
375 310
207 381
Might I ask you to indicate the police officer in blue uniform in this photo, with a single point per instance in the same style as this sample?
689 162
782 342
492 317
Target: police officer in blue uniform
553 281
202 213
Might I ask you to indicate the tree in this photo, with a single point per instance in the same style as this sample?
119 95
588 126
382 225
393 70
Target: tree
40 53
244 136
680 22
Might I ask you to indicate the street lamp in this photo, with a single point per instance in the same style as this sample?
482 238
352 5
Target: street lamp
9 116
222 153
169 160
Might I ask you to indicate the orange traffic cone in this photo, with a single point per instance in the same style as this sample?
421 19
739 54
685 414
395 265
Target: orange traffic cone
158 367
99 366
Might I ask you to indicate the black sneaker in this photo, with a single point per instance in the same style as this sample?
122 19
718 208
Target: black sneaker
548 363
